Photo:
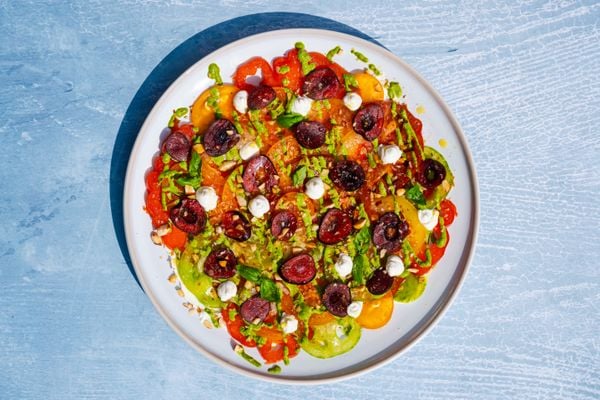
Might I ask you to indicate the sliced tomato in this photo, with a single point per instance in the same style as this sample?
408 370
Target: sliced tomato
376 312
321 60
447 211
294 74
273 351
176 239
235 325
436 253
250 68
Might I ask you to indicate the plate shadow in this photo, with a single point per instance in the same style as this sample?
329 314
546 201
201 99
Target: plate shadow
171 67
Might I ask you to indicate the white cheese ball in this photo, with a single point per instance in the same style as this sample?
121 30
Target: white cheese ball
394 266
259 206
207 197
227 290
249 150
289 323
343 265
428 218
352 101
315 188
301 105
389 153
354 309
240 102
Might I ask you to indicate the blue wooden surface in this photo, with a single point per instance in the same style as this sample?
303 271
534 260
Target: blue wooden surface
522 78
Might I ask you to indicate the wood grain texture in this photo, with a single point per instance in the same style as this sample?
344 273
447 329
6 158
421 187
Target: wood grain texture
521 77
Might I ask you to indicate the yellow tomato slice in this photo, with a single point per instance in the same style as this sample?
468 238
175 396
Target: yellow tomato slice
202 114
369 87
376 312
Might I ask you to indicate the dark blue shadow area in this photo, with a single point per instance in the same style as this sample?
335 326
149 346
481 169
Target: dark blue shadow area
169 69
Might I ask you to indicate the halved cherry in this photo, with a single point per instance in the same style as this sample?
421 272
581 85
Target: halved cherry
220 263
380 282
189 216
432 173
255 309
259 175
261 97
321 83
368 121
348 175
336 298
298 270
220 137
310 134
335 226
389 231
236 226
284 225
178 146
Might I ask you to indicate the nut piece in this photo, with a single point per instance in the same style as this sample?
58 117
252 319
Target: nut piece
155 238
172 278
242 202
163 230
360 223
189 190
227 165
400 192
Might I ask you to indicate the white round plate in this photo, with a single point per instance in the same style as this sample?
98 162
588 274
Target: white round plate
410 321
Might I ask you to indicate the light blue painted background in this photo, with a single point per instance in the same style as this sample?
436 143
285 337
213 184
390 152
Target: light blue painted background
524 83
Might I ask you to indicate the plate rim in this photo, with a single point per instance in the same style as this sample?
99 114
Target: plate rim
427 326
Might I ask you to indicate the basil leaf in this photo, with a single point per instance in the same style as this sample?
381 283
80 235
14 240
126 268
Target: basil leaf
287 120
249 273
299 175
415 195
269 290
188 180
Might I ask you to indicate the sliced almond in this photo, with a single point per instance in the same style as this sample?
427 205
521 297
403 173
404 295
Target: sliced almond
227 165
360 223
400 192
189 190
242 202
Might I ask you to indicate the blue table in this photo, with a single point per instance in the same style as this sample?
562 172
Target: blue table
77 80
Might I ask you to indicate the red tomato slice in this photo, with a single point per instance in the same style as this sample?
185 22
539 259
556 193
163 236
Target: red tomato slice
447 211
294 75
176 239
250 68
272 351
235 325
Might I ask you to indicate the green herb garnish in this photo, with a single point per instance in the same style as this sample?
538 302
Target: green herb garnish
349 82
269 290
215 73
394 91
333 52
415 195
360 56
288 120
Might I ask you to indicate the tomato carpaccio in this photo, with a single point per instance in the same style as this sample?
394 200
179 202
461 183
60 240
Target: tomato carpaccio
318 188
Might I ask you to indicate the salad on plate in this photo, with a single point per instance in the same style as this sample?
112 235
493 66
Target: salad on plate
299 203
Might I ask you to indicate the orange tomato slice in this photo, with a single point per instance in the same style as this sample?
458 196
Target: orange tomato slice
376 312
